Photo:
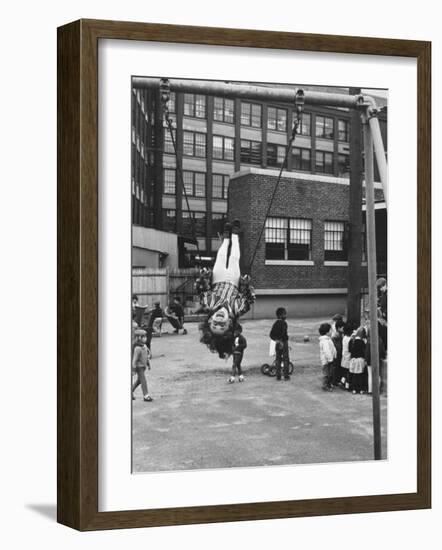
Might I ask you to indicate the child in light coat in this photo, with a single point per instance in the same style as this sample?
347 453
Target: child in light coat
327 354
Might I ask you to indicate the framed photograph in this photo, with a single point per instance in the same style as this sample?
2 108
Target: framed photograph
234 207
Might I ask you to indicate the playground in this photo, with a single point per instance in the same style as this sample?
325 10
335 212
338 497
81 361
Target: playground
197 420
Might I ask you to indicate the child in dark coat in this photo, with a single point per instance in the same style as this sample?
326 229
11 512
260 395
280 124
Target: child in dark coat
239 345
279 335
357 362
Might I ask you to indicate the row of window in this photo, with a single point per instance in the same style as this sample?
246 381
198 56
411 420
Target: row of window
285 238
193 223
251 115
194 145
291 239
195 183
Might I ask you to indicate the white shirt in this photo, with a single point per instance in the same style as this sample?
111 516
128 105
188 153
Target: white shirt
327 350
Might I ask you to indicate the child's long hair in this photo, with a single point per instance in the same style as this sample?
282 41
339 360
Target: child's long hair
222 344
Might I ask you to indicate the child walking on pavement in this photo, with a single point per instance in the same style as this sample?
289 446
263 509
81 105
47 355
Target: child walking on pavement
280 336
141 360
240 344
327 353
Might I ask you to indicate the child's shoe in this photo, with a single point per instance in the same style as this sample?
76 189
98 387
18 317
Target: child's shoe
184 331
354 392
231 380
287 377
241 378
147 398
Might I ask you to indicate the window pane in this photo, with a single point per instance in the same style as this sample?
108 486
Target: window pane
306 163
188 182
228 148
188 138
271 118
328 163
218 108
334 248
328 128
245 150
200 145
255 154
319 164
200 106
281 120
228 110
217 186
200 184
217 147
169 181
168 145
305 124
189 105
245 114
343 165
271 154
256 116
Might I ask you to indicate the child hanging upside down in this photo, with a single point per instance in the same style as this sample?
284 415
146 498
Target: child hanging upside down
224 295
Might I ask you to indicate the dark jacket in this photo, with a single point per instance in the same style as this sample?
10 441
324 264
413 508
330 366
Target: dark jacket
279 331
356 347
241 346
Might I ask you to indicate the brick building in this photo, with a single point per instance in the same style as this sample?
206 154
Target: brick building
301 261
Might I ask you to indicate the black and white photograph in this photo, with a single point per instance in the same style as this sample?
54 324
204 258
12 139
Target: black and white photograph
259 269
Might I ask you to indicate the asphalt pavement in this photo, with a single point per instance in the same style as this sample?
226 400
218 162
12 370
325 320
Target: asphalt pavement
198 420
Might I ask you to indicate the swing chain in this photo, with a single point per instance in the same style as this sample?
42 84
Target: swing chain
299 107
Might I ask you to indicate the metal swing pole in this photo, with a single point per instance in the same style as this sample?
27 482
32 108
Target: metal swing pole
371 257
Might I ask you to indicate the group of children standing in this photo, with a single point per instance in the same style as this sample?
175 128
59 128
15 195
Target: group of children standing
345 356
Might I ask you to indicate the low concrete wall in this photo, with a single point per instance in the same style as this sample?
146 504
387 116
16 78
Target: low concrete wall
312 305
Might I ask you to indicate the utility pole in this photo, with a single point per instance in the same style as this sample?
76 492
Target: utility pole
355 218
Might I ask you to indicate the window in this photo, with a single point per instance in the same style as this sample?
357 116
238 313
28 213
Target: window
335 248
324 162
169 181
302 159
169 220
343 130
194 224
194 144
277 119
250 152
194 183
300 238
220 186
251 115
275 154
217 225
305 126
223 147
223 110
168 144
324 127
195 105
343 165
288 239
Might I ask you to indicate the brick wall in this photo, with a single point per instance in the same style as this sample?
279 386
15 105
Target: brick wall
249 197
